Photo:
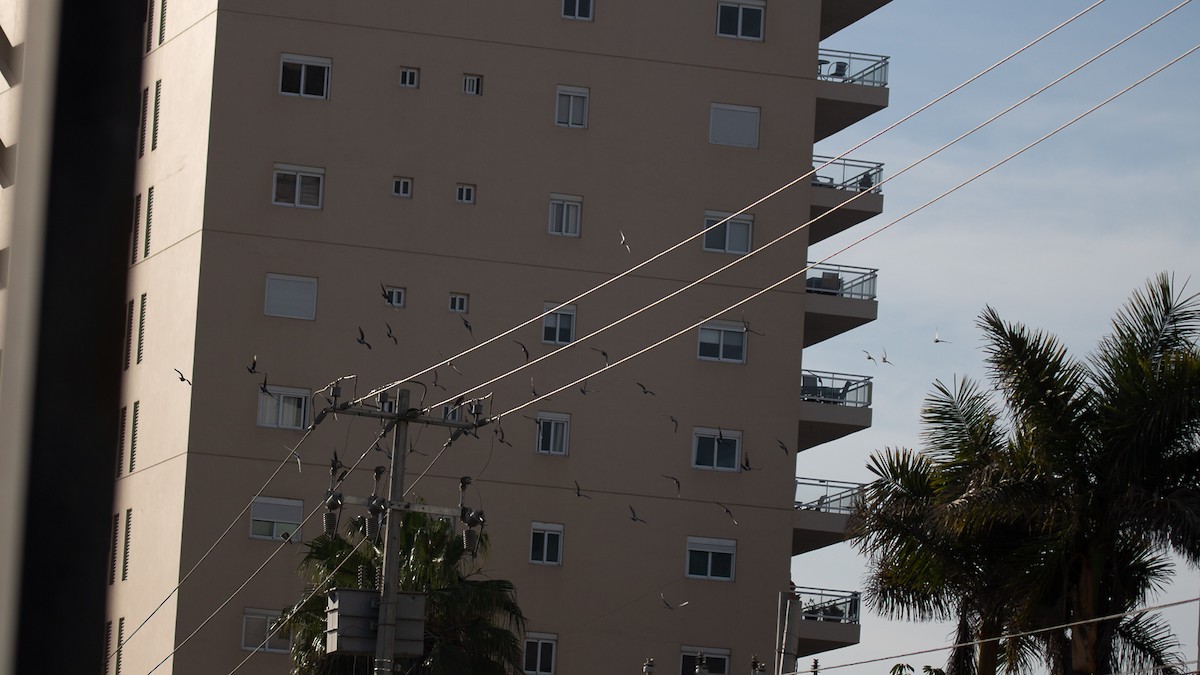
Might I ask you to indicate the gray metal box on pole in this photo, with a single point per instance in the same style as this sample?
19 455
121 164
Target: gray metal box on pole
352 622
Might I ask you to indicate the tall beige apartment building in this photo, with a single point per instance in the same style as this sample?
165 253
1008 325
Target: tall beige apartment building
315 177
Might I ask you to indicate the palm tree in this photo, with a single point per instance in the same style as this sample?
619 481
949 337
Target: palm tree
471 624
1069 513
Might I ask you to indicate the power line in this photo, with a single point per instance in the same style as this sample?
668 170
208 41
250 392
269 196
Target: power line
773 193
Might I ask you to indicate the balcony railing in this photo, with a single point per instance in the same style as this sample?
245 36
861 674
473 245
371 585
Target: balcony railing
838 66
835 388
829 496
848 174
820 604
842 280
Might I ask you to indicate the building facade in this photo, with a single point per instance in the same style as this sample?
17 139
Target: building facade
356 192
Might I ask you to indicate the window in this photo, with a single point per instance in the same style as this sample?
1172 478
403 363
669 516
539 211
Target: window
112 558
577 9
275 518
394 296
710 558
458 302
716 449
149 25
732 236
465 193
473 84
121 441
149 220
120 642
125 548
740 20
304 76
157 105
107 645
554 433
141 341
142 129
545 546
715 660
565 212
298 186
410 77
137 226
162 22
571 110
539 653
128 334
723 341
290 297
558 327
256 632
735 125
133 435
402 187
283 408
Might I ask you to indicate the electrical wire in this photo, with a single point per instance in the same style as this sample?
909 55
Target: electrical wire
771 194
1008 636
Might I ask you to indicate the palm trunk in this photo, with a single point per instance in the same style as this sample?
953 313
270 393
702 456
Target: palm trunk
1085 637
989 648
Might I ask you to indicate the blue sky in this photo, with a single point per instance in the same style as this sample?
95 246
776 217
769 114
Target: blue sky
1056 239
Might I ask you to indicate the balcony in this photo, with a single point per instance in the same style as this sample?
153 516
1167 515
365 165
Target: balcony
839 299
838 14
850 86
823 509
836 182
814 620
832 405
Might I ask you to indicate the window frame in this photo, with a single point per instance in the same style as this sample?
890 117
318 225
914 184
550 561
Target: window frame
277 504
572 95
310 315
689 652
540 641
723 327
545 444
713 117
392 292
741 8
464 193
466 303
276 394
711 546
577 14
717 436
547 532
298 172
267 616
415 78
713 217
305 63
562 224
556 317
402 187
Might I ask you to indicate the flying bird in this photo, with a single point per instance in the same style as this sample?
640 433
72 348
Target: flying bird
727 512
783 446
885 359
389 334
253 367
467 325
335 464
623 241
584 390
296 456
746 326
532 388
263 387
602 353
644 389
286 536
937 338
524 349
182 378
579 492
384 292
869 357
746 463
634 516
500 432
668 605
675 422
362 338
678 489
435 381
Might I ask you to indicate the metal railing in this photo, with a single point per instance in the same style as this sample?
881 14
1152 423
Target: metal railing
848 174
829 496
842 280
854 67
822 604
835 388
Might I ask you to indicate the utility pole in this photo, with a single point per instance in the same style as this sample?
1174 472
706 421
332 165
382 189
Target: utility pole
384 655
